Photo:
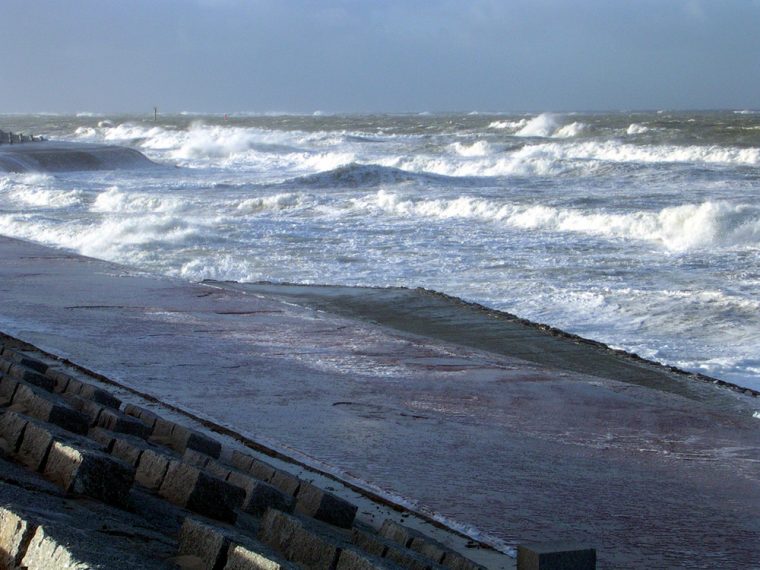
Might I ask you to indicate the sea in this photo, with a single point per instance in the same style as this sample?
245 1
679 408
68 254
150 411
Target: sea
637 229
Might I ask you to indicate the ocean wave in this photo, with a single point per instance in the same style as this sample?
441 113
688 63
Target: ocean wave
356 175
541 126
277 202
477 148
38 190
114 200
545 125
636 129
678 228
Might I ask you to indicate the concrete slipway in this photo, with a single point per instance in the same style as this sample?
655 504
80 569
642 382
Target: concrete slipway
538 437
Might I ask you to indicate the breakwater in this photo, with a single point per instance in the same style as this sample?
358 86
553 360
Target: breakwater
18 138
59 156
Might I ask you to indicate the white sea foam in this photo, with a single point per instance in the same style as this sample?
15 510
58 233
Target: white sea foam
636 129
569 131
478 148
677 228
277 202
512 125
541 126
114 200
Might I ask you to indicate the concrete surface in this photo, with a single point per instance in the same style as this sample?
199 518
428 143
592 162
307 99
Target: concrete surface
651 474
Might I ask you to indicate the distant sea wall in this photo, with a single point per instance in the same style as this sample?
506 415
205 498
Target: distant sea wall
59 156
17 138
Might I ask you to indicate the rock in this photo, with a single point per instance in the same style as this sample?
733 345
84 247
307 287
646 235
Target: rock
35 445
31 377
144 415
152 466
190 487
8 386
49 408
89 472
555 556
259 496
284 481
183 438
12 426
299 541
15 535
351 559
116 421
243 558
326 507
90 392
379 546
241 461
204 541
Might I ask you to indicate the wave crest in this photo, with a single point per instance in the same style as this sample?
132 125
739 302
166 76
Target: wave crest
678 228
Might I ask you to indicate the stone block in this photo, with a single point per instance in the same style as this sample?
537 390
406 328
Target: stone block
15 534
190 487
262 470
152 466
455 561
89 408
163 429
555 556
183 438
31 377
60 379
394 552
118 422
49 408
8 386
396 532
299 541
91 392
285 482
25 360
426 546
100 396
241 461
350 559
259 496
145 416
12 426
241 557
206 542
89 472
196 458
103 437
326 507
35 445
45 551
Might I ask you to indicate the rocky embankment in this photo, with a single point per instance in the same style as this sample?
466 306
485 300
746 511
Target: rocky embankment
92 482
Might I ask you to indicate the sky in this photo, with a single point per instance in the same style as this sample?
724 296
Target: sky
378 55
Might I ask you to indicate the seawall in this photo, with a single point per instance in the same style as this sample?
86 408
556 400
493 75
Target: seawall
55 156
511 449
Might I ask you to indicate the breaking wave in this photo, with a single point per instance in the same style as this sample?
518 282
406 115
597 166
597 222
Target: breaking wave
678 228
545 125
366 176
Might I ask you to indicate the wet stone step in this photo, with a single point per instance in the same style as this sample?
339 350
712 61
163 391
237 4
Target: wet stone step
216 547
194 489
49 407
